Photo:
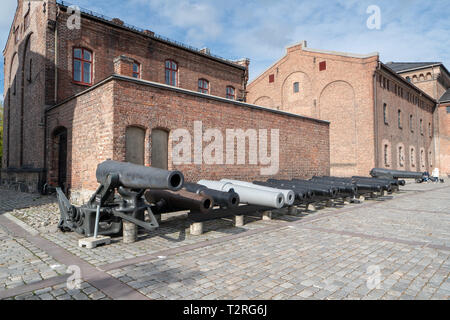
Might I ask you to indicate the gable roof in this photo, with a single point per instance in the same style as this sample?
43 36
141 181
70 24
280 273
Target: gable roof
445 97
407 66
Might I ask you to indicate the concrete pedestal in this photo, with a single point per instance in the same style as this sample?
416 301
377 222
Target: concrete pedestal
311 207
94 242
329 203
238 221
267 215
129 232
292 210
196 228
347 200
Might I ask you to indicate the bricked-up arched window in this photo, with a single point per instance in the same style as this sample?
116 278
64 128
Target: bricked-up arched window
422 158
400 156
231 93
386 158
412 153
385 113
136 70
82 66
411 124
429 129
203 86
421 126
171 73
399 119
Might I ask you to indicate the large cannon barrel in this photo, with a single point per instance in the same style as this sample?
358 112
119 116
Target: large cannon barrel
170 201
363 186
289 195
228 199
300 194
394 182
319 190
248 195
140 177
395 174
347 188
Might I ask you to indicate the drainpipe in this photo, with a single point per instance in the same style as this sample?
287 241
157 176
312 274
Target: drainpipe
375 108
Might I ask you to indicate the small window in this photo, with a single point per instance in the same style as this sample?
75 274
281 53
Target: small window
429 130
322 66
413 157
422 158
408 79
399 119
400 156
26 20
171 73
386 159
231 93
136 70
203 86
448 109
385 113
421 126
82 66
271 78
296 87
411 123
430 158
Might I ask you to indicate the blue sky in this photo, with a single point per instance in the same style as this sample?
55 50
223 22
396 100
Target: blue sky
411 30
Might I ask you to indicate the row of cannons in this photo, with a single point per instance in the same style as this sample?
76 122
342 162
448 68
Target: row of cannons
131 196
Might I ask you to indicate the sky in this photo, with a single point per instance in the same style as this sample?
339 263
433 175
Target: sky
409 30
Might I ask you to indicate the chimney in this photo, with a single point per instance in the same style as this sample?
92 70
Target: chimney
205 51
117 21
123 65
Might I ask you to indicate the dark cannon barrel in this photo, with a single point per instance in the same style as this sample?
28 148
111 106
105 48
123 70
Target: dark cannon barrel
228 199
394 182
140 177
171 201
395 174
363 186
345 188
300 194
319 190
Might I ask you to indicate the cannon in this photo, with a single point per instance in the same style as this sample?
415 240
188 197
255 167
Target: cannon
289 195
301 195
394 182
248 195
321 191
362 186
396 174
170 201
119 197
223 199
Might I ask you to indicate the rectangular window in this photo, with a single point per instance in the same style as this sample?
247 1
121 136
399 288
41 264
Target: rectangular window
136 70
421 126
82 66
203 86
385 113
231 93
171 73
296 87
448 109
271 78
411 124
322 66
399 119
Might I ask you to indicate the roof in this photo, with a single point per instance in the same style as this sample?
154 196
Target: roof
406 66
445 97
102 18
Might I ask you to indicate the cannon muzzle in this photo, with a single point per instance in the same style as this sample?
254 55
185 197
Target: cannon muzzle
228 199
171 201
135 176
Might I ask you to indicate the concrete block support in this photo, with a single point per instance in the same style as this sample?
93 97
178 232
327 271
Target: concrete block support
311 207
292 210
238 221
267 215
129 232
196 228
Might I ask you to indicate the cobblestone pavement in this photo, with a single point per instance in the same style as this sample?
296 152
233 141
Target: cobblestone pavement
394 247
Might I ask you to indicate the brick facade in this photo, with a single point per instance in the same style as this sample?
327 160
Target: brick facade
344 89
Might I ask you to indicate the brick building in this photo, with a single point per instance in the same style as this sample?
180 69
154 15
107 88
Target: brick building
75 97
434 79
378 118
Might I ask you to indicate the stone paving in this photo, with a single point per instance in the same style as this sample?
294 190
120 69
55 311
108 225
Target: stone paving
394 247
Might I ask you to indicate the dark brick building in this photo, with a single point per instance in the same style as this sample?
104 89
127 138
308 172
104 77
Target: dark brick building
77 96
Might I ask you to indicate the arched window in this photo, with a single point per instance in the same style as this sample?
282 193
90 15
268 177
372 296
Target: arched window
231 93
411 125
400 156
160 149
136 70
429 130
408 79
135 145
385 113
82 66
171 73
421 126
412 156
399 119
430 158
422 158
203 86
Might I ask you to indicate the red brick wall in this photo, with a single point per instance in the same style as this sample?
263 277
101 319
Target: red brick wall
390 132
444 139
108 42
304 143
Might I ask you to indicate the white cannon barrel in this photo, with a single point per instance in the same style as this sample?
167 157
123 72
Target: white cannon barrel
289 195
248 195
